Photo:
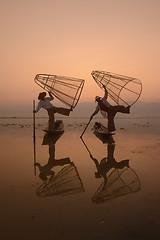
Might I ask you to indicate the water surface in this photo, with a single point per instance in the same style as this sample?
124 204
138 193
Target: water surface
80 189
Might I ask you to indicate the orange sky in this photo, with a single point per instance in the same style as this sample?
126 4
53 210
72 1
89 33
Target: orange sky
75 37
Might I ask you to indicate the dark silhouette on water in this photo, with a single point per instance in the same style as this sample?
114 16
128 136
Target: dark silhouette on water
100 132
46 170
66 181
34 137
107 163
118 178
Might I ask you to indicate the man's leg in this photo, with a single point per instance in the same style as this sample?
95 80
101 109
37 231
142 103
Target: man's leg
121 109
51 111
111 148
51 122
111 124
63 111
121 164
111 114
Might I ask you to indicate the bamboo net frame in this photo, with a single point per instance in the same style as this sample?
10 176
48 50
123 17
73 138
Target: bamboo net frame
68 90
122 90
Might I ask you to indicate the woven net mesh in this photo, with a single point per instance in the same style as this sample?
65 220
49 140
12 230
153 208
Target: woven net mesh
122 90
66 181
66 89
120 182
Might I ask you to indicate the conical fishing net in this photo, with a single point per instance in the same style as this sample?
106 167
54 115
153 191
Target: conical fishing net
122 90
67 90
120 182
66 181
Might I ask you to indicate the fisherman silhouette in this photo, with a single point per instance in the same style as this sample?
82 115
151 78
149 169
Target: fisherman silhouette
45 102
118 178
107 163
107 109
46 170
57 182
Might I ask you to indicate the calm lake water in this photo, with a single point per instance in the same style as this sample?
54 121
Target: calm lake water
87 189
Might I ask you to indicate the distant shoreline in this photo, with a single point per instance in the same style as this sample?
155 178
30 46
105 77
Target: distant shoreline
142 117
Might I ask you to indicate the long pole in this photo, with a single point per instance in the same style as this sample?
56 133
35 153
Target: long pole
86 146
85 128
34 136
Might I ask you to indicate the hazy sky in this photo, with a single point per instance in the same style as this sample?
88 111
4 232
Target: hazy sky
75 37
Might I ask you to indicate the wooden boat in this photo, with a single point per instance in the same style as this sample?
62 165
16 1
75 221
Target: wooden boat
99 128
102 133
59 128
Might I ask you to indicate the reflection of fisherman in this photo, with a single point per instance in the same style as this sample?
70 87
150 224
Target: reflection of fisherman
45 102
105 107
108 163
46 170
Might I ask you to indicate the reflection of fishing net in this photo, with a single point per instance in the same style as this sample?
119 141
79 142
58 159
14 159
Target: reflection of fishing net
66 181
121 89
120 182
66 89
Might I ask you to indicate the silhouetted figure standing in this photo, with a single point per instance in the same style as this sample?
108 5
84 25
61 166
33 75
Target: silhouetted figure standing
45 102
106 108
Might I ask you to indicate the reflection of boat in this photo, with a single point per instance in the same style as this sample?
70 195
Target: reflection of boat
50 139
59 128
119 182
102 133
66 181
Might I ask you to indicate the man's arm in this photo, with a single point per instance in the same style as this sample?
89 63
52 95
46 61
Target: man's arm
106 93
95 161
38 107
51 96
